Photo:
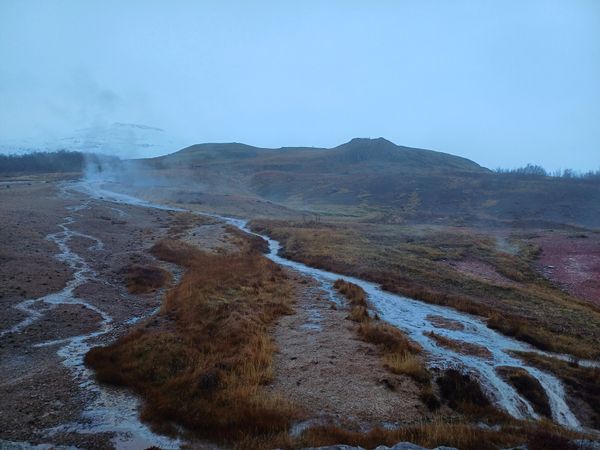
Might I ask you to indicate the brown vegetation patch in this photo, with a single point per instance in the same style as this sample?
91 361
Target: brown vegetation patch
528 387
461 435
203 361
539 337
143 279
355 295
400 355
443 322
466 348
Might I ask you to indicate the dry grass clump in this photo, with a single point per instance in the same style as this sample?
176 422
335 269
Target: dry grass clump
458 435
400 354
387 337
353 293
463 347
203 360
143 279
357 298
411 365
510 433
528 387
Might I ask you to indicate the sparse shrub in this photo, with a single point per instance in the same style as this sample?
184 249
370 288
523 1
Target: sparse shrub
143 279
428 397
461 392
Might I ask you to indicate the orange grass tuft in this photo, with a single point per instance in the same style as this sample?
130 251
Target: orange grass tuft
203 360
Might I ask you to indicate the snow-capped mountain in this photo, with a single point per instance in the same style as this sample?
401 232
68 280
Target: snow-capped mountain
126 140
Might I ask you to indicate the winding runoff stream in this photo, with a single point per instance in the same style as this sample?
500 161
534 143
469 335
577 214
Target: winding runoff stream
414 318
116 411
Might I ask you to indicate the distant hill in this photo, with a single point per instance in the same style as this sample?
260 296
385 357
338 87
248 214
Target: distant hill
378 180
375 153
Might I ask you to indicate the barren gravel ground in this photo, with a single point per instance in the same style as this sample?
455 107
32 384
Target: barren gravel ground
38 392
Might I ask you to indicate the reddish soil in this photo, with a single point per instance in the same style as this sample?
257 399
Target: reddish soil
573 262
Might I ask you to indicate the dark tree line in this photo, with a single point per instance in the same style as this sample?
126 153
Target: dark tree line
42 162
535 170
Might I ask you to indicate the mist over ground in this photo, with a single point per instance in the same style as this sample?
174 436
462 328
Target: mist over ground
501 83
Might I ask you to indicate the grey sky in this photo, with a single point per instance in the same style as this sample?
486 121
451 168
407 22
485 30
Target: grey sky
501 82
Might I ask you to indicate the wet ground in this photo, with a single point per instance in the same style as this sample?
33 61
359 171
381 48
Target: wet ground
60 267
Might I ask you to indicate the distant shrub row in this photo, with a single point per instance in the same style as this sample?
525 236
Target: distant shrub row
42 162
53 162
535 170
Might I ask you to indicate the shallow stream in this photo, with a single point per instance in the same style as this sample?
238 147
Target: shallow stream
415 319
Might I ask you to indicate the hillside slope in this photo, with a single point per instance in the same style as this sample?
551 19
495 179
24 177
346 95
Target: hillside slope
376 180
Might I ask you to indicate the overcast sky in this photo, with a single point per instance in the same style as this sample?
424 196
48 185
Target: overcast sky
501 82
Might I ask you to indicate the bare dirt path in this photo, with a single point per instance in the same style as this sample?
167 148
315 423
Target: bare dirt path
323 368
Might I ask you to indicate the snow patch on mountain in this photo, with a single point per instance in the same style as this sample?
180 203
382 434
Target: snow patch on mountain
126 140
